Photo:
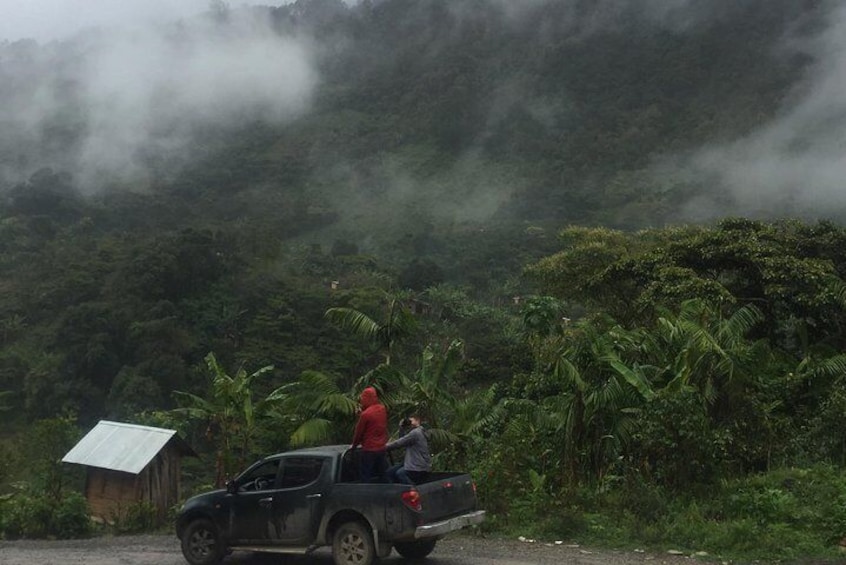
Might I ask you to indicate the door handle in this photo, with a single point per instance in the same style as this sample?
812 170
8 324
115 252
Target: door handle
318 495
265 502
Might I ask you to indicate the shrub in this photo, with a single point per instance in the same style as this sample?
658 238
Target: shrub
26 515
136 518
29 514
72 517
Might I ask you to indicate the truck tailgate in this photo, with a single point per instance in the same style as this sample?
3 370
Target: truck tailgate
446 495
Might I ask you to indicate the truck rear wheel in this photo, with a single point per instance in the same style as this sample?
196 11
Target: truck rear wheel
415 549
201 543
353 545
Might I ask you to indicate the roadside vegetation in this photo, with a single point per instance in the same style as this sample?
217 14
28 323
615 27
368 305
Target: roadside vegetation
469 219
671 388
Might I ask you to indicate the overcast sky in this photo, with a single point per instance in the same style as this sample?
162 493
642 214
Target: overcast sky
55 19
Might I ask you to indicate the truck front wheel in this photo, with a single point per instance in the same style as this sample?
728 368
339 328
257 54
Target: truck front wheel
201 543
353 545
415 549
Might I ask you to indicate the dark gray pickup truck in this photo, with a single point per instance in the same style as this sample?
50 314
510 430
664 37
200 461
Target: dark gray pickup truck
297 501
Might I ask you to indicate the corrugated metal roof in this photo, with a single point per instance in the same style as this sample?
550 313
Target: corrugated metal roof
119 447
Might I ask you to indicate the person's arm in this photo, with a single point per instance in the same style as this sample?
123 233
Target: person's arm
358 435
404 441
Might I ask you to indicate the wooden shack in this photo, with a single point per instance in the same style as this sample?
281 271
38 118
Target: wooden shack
127 465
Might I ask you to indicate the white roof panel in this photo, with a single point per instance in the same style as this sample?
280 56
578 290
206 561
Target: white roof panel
119 447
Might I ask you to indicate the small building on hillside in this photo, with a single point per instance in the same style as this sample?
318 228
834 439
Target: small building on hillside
129 464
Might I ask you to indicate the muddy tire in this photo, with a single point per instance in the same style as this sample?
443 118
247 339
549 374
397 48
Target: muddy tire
201 543
415 549
352 544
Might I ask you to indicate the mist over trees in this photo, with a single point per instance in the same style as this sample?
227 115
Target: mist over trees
457 111
576 204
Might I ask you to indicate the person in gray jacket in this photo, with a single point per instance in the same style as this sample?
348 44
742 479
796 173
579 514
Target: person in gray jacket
418 461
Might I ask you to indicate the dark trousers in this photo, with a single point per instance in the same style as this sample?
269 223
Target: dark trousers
399 474
372 466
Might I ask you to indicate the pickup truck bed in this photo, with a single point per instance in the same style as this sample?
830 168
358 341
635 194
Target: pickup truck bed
298 501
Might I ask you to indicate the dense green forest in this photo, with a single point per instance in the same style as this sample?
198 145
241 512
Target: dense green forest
479 210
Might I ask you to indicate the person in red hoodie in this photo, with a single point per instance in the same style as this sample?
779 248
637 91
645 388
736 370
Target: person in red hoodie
371 433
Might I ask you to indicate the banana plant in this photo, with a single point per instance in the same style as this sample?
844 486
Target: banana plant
229 413
315 407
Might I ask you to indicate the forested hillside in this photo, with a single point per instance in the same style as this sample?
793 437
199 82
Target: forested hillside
526 201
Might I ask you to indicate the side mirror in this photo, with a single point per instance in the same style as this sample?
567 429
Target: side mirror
231 487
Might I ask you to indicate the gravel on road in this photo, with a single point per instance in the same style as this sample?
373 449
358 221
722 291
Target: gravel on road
454 550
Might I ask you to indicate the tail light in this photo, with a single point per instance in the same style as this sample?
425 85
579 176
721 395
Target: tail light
411 498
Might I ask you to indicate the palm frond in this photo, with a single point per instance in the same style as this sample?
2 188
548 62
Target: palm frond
357 323
248 379
315 393
830 367
567 371
440 439
337 403
838 288
401 322
740 324
313 432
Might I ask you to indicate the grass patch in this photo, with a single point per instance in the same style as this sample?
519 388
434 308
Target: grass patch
796 515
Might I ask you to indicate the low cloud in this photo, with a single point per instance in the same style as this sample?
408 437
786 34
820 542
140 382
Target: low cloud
797 163
117 96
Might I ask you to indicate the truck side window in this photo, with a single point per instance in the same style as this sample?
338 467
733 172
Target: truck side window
262 477
300 471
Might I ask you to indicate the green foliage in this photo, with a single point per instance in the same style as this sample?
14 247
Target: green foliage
8 462
228 413
42 448
787 514
29 513
676 444
789 270
26 514
71 518
44 498
429 391
314 410
399 324
135 518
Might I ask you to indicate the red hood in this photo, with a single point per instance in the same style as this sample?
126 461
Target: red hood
369 397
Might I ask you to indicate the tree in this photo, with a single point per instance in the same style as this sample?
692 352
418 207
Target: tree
716 393
592 402
428 391
229 414
542 320
399 323
790 271
313 406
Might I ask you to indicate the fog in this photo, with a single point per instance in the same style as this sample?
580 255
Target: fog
796 164
124 95
117 92
46 20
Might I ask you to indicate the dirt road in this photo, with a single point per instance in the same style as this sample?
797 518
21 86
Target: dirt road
459 550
